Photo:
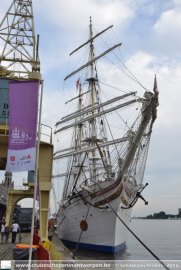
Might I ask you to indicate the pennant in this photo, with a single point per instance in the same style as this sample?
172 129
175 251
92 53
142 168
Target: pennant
77 83
155 89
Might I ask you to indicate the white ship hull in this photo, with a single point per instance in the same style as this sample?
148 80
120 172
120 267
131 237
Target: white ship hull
105 233
104 168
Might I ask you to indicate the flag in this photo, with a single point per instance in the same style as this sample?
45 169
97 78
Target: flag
23 110
77 83
155 89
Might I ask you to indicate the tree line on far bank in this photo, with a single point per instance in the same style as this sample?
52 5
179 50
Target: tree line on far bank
162 215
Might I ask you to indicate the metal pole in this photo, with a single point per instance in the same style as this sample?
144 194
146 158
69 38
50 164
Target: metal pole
37 48
36 173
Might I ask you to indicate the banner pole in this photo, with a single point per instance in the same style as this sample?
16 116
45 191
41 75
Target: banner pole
36 173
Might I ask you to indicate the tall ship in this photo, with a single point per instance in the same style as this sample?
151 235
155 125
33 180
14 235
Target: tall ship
106 135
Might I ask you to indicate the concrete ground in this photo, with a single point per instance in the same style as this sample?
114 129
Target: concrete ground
6 250
65 252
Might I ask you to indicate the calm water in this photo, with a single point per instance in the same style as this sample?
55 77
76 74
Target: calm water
163 237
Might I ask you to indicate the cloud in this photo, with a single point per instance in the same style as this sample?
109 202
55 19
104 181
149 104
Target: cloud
144 67
67 26
168 26
74 15
169 23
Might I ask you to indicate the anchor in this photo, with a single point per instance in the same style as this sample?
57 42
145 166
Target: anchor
138 195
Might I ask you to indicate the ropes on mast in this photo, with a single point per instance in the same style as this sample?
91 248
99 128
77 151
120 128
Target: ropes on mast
93 60
91 39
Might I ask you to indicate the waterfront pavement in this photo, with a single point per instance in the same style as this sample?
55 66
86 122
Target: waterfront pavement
64 251
6 250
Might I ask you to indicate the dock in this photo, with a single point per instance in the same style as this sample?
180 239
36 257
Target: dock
61 248
6 250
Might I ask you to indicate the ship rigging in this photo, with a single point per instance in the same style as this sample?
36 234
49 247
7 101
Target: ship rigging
102 167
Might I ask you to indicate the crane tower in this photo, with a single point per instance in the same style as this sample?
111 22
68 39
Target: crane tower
19 61
19 58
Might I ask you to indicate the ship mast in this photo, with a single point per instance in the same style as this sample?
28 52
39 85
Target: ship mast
92 96
80 116
80 125
92 70
80 106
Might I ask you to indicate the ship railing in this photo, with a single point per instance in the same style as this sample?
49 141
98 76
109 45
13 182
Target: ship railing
85 183
21 188
25 180
89 182
45 133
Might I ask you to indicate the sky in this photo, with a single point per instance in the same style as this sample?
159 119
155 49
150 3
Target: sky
151 42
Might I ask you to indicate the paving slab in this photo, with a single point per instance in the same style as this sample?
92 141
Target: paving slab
65 252
6 250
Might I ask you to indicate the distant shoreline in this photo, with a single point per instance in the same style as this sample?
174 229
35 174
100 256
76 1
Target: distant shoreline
161 215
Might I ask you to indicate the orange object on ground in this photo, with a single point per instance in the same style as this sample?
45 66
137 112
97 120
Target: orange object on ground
26 246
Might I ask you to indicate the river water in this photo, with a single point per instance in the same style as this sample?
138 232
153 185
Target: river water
163 237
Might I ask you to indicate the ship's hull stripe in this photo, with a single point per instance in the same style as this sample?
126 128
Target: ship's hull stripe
106 249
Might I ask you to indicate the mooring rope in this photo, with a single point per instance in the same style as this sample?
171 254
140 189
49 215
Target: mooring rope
139 239
81 232
135 234
126 227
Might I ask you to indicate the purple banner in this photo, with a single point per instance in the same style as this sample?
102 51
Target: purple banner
23 110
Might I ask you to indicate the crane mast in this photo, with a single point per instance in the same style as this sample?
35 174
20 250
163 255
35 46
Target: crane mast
19 57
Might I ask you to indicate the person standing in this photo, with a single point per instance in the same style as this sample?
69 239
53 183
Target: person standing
6 232
15 228
3 225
